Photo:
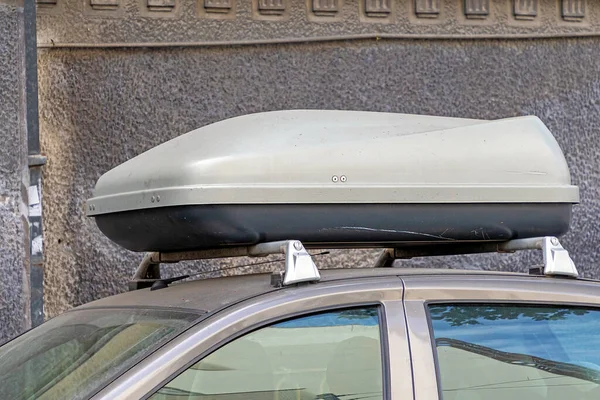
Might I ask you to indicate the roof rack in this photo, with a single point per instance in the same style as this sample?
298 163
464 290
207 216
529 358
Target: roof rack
299 266
557 261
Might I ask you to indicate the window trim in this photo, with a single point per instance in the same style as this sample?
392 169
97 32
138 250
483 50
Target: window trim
383 340
438 375
384 348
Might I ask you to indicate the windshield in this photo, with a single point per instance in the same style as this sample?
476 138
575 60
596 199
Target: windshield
75 354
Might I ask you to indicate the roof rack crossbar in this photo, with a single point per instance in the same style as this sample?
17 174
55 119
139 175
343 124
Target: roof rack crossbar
556 259
299 266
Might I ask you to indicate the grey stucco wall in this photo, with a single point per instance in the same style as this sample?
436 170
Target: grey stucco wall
13 175
101 107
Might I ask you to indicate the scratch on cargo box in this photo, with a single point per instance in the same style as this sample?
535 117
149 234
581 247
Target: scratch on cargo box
527 172
361 228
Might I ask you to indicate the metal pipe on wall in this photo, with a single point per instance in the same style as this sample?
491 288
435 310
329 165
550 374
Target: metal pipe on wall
35 160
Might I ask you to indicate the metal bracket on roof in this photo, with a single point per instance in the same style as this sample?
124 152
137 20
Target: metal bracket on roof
557 261
146 273
299 266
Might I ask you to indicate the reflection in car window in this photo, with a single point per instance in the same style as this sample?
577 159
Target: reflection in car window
334 355
79 352
521 352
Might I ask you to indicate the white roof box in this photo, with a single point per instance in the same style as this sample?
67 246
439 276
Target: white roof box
341 178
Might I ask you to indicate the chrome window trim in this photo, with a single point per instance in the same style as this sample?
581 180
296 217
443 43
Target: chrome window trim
160 367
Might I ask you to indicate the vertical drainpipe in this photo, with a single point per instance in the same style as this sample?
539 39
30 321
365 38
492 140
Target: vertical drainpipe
35 160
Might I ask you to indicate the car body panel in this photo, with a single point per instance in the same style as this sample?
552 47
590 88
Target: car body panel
238 305
241 318
215 293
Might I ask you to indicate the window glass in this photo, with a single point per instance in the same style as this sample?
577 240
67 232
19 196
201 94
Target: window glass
333 355
75 354
521 352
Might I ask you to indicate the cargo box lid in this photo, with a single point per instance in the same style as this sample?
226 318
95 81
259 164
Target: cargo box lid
349 157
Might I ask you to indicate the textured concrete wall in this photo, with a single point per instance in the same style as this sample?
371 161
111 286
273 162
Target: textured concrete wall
13 175
101 107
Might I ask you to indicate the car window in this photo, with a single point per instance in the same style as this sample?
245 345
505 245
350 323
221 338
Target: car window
79 352
523 352
332 355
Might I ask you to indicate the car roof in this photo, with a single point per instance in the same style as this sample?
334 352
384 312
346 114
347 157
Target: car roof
207 295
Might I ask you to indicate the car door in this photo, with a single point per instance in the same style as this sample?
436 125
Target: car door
503 337
332 340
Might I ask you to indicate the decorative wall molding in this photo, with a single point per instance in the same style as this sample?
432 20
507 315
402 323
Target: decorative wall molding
377 11
271 10
97 8
427 8
65 23
104 5
477 9
160 5
272 7
525 10
573 10
48 6
217 9
378 8
323 10
218 6
46 3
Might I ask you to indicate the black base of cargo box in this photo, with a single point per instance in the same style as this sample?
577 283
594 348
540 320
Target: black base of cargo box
198 227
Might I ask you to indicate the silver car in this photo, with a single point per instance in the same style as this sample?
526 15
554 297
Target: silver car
292 182
357 334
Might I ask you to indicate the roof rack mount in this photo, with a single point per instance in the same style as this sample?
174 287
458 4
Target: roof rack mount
299 266
557 261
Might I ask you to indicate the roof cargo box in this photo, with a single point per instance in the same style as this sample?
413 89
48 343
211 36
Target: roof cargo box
339 179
